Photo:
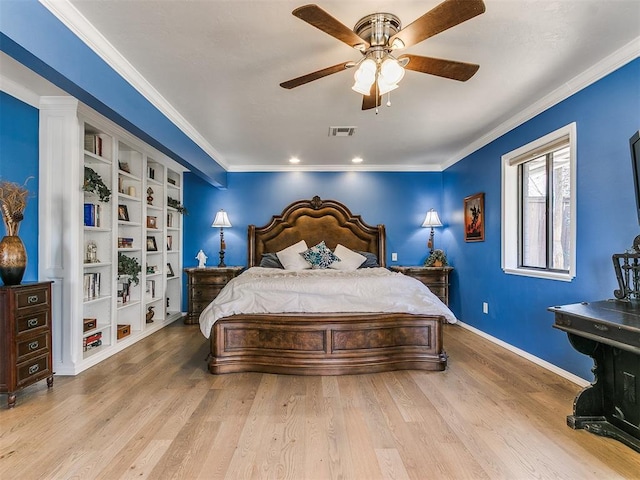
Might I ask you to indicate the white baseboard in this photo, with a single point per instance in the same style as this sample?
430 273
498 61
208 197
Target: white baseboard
532 358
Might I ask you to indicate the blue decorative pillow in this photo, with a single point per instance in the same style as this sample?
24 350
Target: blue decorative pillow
371 261
270 260
320 256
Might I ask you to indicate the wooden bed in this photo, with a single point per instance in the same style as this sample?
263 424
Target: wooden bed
323 344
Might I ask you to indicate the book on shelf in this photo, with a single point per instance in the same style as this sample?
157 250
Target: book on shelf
92 341
125 242
93 143
91 285
151 289
92 215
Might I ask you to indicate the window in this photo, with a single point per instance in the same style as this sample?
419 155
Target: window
538 207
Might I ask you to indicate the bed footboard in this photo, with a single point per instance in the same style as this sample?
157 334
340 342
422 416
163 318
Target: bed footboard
326 344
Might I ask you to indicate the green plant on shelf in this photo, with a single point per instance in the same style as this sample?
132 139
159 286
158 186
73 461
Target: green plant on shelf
129 266
173 203
437 258
93 183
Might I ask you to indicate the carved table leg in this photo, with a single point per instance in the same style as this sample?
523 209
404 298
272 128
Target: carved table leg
50 381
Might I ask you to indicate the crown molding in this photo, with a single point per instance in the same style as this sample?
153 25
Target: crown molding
609 64
333 168
64 11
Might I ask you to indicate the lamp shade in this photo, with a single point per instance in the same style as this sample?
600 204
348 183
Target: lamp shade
432 219
221 220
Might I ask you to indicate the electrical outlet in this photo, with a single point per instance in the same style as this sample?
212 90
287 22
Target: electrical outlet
485 307
394 257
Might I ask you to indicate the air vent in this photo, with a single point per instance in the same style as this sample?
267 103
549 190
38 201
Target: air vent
342 131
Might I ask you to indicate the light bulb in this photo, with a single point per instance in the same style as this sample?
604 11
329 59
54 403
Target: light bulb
391 70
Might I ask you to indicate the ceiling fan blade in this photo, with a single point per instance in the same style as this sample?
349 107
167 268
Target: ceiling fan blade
310 77
371 101
446 15
314 15
442 68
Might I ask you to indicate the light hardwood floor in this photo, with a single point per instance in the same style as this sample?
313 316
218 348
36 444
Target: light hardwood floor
153 411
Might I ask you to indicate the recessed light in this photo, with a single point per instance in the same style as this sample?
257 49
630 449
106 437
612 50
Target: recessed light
294 160
356 160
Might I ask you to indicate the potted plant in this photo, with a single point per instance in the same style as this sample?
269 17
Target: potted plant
129 266
437 258
173 203
93 183
13 256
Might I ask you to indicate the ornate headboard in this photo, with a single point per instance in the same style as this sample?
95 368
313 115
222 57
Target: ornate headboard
313 221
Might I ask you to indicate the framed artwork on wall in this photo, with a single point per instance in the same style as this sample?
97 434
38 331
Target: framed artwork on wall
474 218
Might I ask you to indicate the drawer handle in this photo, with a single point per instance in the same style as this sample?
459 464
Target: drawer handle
33 369
33 322
34 345
602 328
33 299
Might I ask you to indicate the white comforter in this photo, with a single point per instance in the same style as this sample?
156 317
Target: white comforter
272 290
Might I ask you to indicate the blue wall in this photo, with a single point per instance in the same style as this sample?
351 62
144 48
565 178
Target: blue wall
18 162
607 113
398 200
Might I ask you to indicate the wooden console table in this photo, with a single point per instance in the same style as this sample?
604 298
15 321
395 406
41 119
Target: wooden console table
609 332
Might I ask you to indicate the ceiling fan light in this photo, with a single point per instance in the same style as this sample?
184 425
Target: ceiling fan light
384 86
364 89
397 44
391 70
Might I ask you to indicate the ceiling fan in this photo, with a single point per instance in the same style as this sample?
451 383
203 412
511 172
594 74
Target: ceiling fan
378 35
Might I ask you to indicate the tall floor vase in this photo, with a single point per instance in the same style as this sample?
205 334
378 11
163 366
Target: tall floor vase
13 260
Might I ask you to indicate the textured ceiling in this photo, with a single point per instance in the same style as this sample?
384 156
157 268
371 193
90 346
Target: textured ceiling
219 65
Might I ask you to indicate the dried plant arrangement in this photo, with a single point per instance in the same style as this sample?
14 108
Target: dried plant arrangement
13 201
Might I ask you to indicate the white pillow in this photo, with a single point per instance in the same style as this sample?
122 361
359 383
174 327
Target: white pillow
291 259
349 260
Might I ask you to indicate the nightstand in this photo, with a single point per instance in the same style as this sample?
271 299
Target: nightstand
436 278
203 287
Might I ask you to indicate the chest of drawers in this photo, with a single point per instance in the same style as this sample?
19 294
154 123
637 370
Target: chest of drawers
203 287
25 337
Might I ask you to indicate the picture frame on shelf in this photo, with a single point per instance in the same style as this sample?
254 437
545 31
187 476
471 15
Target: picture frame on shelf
124 166
123 213
170 270
151 269
474 218
151 244
152 222
169 242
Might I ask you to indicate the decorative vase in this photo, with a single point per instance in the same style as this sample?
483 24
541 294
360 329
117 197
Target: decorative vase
13 260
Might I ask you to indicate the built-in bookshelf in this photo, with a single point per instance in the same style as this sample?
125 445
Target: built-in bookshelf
99 310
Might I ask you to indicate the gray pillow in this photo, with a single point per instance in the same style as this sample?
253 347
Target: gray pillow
371 261
270 260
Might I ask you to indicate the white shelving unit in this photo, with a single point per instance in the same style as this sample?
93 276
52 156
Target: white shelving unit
83 236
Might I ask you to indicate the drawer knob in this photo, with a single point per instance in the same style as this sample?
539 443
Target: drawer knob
33 299
33 369
34 345
32 322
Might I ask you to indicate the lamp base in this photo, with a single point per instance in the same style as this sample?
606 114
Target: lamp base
221 264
